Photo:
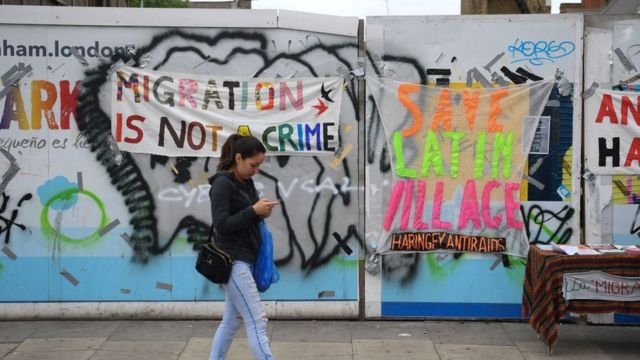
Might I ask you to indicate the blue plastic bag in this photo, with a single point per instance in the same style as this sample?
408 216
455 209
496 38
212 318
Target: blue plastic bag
265 272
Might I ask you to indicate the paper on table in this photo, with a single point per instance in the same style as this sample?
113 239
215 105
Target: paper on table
574 249
564 249
585 250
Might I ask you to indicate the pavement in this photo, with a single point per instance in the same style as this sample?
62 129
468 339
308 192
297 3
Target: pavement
325 340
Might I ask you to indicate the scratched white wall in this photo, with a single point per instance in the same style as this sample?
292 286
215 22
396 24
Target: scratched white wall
76 228
403 48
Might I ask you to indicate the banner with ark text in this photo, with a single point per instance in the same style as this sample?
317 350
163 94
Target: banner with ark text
176 114
457 157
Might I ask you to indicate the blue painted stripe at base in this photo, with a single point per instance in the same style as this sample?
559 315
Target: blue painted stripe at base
626 319
470 310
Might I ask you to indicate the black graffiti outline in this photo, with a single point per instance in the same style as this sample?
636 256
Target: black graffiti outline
537 215
9 222
635 230
128 179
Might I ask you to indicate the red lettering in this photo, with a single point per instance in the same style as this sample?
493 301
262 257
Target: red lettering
607 110
437 208
492 222
68 102
627 107
187 88
634 152
132 126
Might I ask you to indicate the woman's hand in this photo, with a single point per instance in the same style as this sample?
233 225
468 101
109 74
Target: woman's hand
264 207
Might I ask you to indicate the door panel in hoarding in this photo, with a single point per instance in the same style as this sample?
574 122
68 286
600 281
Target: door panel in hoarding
83 222
471 52
625 188
611 202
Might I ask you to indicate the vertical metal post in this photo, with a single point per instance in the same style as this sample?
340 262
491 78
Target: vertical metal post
361 161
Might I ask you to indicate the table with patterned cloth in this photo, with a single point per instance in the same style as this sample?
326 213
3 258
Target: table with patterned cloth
542 299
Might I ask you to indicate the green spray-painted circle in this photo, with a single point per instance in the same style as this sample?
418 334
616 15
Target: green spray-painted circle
49 231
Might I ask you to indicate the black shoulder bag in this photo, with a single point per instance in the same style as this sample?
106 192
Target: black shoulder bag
213 263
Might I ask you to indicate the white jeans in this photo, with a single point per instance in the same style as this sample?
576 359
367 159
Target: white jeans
242 304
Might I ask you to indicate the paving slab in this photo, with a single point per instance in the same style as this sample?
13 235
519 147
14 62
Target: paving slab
394 349
567 356
49 355
206 329
478 352
240 350
60 344
389 330
537 346
153 331
5 348
579 345
519 331
199 348
16 331
469 333
196 349
614 335
145 346
623 356
621 349
310 350
75 329
312 331
133 355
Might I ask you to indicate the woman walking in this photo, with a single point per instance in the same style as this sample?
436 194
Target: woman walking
236 213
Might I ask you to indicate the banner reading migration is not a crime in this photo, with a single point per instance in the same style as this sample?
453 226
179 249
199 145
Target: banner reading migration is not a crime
612 132
175 114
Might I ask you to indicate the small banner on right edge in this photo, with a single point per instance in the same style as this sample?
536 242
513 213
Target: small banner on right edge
597 285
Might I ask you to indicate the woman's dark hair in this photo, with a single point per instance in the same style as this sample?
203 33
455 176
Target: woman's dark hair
247 146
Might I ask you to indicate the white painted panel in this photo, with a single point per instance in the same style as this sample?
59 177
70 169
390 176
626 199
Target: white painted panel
339 25
109 16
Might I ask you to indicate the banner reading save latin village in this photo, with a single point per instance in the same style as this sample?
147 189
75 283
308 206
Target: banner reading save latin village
612 132
175 114
457 157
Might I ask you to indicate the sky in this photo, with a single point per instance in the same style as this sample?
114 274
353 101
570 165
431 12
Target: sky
363 8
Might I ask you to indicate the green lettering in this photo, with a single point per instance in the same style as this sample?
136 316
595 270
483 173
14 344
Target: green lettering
502 147
479 161
432 155
401 170
265 138
455 137
286 136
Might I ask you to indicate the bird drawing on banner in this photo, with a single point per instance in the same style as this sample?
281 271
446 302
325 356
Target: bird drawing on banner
325 93
321 107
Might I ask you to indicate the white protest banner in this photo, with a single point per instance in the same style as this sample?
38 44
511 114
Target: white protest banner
457 157
597 285
612 132
175 114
